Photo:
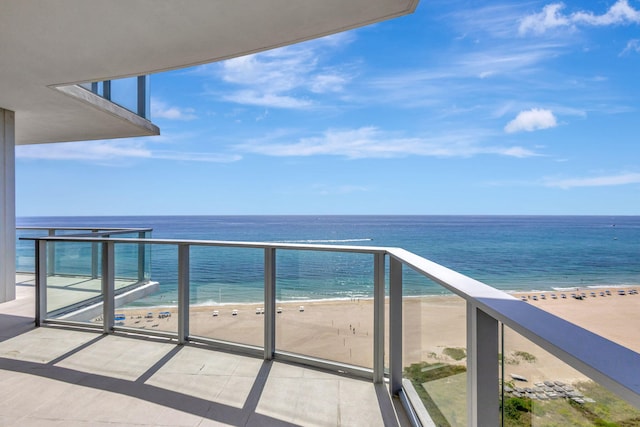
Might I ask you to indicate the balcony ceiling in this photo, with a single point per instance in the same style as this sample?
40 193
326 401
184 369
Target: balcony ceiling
44 44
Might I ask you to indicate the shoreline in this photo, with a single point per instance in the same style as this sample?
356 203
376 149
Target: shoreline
342 330
515 293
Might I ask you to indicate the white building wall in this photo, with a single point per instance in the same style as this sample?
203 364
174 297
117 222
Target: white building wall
7 206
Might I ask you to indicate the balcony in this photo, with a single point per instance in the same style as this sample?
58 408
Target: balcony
391 356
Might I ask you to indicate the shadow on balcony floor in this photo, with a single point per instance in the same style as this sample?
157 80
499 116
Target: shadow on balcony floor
59 376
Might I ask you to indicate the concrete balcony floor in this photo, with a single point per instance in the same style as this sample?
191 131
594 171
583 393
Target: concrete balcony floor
53 376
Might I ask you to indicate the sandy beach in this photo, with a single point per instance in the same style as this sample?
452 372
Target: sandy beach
342 330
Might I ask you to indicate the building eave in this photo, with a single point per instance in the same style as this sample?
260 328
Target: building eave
44 45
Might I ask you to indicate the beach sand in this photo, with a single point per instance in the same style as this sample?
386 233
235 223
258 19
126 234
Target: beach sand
342 331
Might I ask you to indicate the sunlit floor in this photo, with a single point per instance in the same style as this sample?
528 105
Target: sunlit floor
58 376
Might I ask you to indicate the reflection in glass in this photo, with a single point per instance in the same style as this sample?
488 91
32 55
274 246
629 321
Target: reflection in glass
541 390
434 348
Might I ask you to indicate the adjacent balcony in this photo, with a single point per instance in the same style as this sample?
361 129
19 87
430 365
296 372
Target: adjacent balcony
259 344
131 93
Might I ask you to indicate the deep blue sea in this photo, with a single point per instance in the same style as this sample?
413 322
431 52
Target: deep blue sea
508 252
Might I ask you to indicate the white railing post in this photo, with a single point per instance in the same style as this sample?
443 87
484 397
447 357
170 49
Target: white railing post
141 257
41 281
378 318
94 258
108 286
183 293
483 404
269 303
51 254
395 326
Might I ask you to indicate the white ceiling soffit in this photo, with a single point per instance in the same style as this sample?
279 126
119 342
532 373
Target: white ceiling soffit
46 43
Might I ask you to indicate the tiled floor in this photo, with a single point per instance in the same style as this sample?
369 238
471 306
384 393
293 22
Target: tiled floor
54 376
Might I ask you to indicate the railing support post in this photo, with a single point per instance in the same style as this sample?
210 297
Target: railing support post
94 258
183 293
108 286
51 254
141 257
269 303
41 281
483 403
395 326
378 318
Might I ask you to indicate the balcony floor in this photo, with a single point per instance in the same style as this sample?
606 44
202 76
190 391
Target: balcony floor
57 376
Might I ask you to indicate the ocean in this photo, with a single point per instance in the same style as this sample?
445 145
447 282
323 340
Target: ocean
512 253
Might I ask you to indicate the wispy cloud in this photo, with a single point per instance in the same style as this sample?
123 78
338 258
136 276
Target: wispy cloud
371 142
160 109
598 181
93 150
632 46
287 77
530 120
494 20
552 17
111 152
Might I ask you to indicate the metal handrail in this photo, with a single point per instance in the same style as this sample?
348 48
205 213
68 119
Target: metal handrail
93 230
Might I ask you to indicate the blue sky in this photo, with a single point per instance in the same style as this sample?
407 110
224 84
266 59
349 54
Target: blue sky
459 108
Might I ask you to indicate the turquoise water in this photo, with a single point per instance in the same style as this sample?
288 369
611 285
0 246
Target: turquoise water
508 252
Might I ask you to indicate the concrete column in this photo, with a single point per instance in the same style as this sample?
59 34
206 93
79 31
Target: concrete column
7 206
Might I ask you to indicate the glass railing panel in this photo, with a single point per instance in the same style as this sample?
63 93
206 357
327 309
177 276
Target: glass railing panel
77 295
74 259
153 306
124 92
434 348
25 250
325 305
129 265
227 294
133 261
541 390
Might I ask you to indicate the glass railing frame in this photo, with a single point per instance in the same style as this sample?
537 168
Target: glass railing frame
487 307
103 232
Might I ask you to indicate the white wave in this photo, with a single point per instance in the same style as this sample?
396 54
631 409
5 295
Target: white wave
327 241
567 289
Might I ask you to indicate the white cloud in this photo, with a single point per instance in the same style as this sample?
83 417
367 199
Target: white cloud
370 142
93 150
287 77
160 109
551 17
620 13
254 97
323 83
530 120
599 181
632 46
112 152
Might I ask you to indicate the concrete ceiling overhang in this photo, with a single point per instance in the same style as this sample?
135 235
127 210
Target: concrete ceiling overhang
45 44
